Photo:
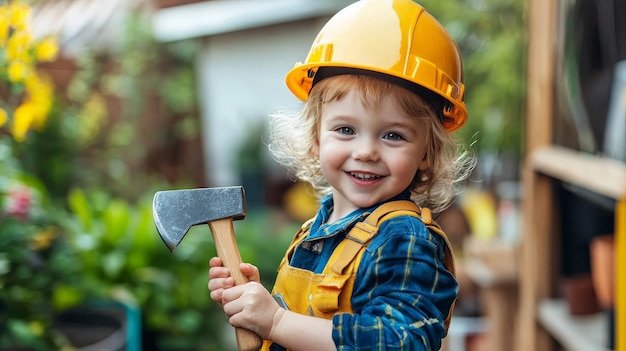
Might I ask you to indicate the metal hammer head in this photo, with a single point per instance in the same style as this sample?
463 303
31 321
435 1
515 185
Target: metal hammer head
175 211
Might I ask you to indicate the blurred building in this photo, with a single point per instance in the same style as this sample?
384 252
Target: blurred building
246 48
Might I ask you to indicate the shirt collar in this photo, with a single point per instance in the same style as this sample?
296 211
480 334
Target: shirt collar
320 229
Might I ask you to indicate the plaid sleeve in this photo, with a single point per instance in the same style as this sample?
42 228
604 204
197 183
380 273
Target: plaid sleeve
402 292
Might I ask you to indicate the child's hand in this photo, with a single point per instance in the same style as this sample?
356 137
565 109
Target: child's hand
220 279
252 307
249 305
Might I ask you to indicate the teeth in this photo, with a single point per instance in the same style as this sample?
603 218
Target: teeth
364 176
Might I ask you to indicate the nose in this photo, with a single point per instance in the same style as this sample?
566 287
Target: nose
366 150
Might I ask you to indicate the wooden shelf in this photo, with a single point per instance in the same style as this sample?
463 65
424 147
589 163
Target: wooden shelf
600 175
575 333
492 265
546 166
490 262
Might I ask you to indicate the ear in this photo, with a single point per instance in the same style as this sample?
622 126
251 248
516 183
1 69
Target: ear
316 147
424 163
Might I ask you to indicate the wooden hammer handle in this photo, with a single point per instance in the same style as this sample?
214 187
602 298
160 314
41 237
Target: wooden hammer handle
226 246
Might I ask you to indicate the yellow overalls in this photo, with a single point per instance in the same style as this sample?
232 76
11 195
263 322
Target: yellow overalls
326 294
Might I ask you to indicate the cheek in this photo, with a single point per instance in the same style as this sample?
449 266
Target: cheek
406 170
407 166
325 153
331 155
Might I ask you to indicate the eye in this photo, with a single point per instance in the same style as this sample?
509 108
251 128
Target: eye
393 136
346 130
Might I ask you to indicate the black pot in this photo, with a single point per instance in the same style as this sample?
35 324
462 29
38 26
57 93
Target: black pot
93 327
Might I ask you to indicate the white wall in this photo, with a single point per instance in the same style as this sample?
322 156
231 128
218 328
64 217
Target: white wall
242 80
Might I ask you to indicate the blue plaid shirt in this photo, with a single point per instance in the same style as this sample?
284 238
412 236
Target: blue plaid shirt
402 293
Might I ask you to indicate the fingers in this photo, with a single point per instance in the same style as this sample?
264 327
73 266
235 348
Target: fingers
241 298
217 288
221 283
218 272
215 262
250 306
216 295
251 272
219 279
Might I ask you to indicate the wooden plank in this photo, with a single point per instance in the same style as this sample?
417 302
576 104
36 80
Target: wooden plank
540 76
575 333
600 175
537 202
537 266
620 275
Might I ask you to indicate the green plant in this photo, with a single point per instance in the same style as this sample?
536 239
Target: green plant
491 36
35 260
34 256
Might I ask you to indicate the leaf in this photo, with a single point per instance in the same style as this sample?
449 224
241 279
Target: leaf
116 219
65 296
77 201
144 235
113 263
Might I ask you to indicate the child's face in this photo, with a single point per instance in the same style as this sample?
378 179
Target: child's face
368 155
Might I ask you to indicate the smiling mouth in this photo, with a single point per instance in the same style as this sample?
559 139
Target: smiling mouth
362 176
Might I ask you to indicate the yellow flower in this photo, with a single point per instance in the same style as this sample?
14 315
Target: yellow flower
4 117
33 112
18 47
20 56
47 49
20 15
17 71
43 239
41 93
4 26
23 118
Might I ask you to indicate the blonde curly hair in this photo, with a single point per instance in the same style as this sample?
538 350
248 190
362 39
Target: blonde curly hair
293 137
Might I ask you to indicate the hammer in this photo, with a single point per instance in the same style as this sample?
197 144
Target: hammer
176 211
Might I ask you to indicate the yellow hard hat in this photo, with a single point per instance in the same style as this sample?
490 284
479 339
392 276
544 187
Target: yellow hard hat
395 38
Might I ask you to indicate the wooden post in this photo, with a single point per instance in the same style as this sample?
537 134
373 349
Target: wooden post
620 275
537 200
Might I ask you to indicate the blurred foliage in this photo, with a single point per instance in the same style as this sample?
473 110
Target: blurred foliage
34 257
76 223
34 260
491 35
119 107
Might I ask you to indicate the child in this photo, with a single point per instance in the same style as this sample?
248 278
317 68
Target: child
383 86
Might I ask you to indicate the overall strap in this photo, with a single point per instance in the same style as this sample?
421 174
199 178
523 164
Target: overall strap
364 231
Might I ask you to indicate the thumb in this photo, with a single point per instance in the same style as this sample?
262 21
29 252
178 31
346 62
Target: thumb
250 271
